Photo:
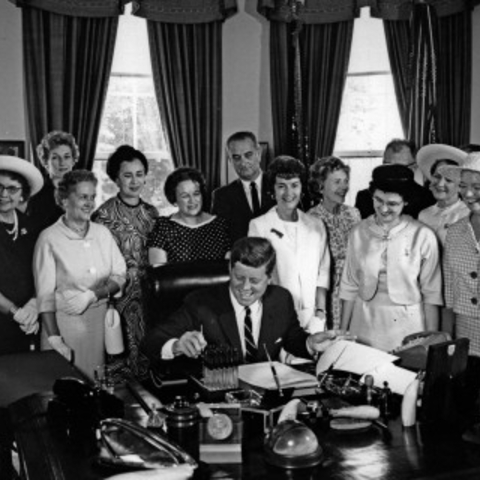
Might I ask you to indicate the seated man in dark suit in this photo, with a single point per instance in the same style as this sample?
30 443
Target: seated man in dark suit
248 196
399 152
245 313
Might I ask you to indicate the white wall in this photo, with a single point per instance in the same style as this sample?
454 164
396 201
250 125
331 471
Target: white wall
246 76
12 114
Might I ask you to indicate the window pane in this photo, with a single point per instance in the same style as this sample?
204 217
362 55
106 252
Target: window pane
131 114
369 116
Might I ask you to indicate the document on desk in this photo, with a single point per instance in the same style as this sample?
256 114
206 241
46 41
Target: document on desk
260 375
364 360
352 357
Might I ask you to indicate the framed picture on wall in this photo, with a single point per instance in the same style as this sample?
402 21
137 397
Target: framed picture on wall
15 148
265 160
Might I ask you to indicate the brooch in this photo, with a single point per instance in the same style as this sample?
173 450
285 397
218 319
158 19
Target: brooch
276 232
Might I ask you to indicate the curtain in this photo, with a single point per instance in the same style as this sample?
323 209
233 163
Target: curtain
455 78
441 60
186 65
397 35
422 94
324 51
67 63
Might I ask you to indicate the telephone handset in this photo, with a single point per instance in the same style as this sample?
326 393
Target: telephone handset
78 408
414 349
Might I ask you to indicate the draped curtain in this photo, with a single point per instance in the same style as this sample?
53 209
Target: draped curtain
186 52
440 114
67 62
448 108
308 63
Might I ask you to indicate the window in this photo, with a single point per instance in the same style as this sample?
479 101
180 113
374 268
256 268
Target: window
131 114
369 116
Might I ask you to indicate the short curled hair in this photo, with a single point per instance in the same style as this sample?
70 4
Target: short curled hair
26 189
53 140
286 167
180 175
254 252
70 180
320 171
124 153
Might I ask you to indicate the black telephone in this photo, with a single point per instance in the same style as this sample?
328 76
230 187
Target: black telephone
77 408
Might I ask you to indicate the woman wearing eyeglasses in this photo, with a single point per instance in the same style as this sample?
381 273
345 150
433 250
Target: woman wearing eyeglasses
391 284
18 311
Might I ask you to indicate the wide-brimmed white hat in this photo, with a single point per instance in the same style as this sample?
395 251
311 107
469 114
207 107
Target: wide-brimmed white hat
18 165
471 163
429 154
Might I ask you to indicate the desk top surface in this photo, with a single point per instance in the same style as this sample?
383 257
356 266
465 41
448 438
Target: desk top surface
396 454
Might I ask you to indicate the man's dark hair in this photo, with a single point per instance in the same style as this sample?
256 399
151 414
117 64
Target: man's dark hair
254 252
398 144
240 136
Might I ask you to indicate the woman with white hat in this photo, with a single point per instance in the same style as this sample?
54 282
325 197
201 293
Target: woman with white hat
18 312
449 207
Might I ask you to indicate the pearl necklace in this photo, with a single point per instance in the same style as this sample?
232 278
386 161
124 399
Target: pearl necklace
82 231
14 231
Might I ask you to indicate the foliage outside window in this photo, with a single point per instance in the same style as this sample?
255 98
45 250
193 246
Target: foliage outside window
131 115
369 117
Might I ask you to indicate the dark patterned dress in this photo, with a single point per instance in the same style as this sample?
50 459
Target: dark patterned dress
16 281
130 226
338 228
208 241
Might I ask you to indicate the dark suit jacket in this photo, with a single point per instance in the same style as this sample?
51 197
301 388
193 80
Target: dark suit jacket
422 198
230 202
212 309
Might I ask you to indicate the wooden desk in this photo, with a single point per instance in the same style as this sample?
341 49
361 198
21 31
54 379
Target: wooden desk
21 375
398 454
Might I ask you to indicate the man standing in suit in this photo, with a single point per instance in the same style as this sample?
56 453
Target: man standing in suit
248 196
246 313
399 152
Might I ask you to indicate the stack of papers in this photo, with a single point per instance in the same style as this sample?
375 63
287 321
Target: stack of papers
364 360
260 375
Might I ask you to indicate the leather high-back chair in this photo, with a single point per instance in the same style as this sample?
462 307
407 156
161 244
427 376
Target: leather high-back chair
167 285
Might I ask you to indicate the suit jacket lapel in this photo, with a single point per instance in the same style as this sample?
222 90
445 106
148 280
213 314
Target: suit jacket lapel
240 192
227 320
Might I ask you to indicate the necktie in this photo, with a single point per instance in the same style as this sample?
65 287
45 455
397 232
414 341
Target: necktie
250 347
255 200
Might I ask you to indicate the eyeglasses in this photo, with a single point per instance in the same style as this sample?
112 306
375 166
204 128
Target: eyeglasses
10 190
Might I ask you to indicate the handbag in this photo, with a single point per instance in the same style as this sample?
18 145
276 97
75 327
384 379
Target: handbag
113 331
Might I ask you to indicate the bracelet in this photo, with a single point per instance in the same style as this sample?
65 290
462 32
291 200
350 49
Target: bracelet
320 310
13 310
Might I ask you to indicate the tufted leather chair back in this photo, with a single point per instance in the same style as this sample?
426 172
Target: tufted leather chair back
167 285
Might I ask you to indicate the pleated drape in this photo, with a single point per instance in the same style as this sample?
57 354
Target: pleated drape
186 64
324 51
455 78
67 63
451 74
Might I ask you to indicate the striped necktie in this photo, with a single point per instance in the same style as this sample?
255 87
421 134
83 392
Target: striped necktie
250 346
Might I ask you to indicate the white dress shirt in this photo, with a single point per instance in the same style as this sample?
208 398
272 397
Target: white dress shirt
256 311
248 189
